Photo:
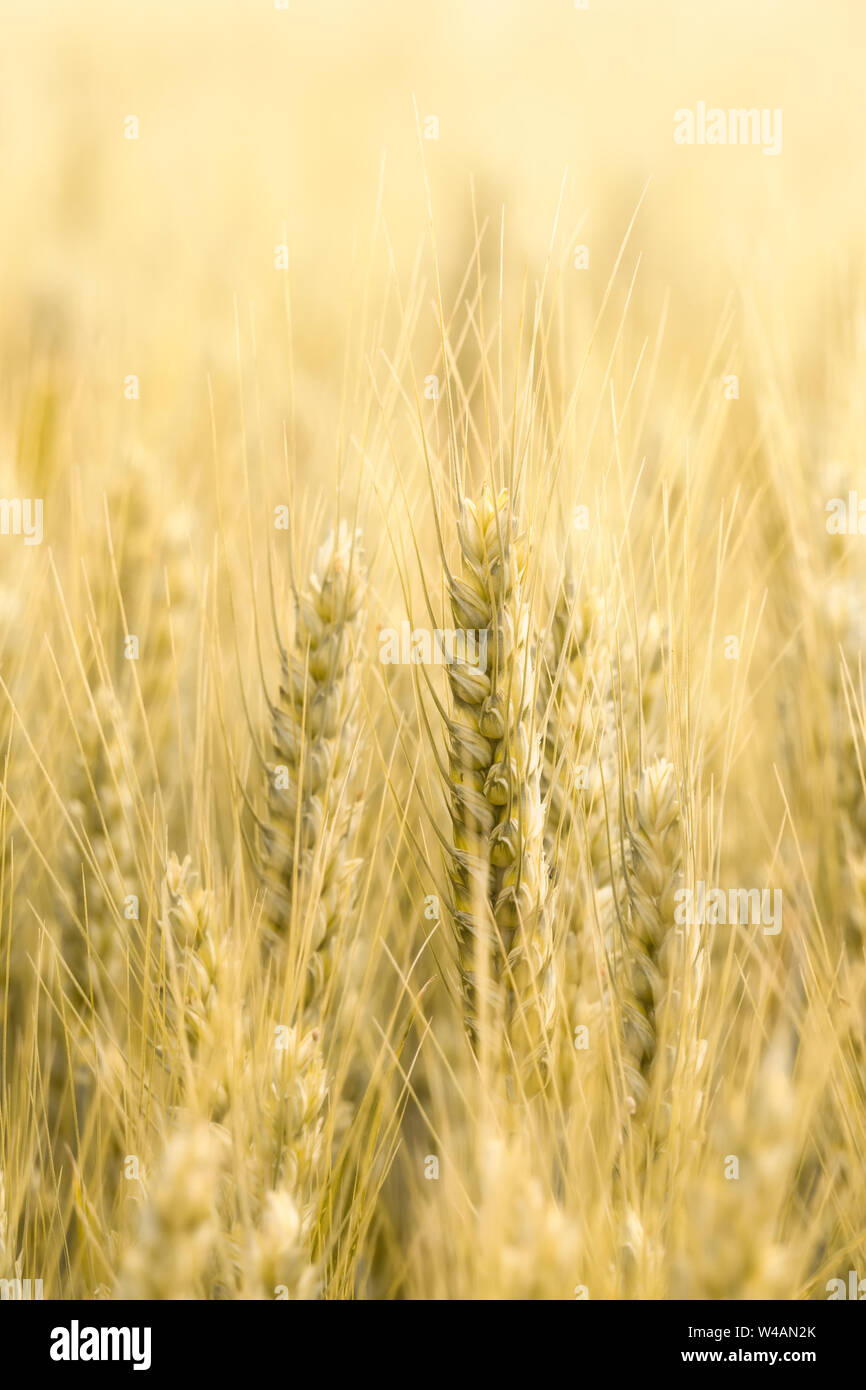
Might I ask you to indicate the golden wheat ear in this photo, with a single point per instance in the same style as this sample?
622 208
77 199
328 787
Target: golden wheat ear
500 905
99 861
203 1020
572 658
663 965
733 1243
287 1162
277 1262
580 781
97 906
179 1228
315 733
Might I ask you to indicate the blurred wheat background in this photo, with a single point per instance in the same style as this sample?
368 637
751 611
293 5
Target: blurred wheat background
329 976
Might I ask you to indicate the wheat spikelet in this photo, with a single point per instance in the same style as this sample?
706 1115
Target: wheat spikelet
498 872
315 730
179 1227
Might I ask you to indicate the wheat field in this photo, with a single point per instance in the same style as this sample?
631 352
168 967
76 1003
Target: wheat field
433 815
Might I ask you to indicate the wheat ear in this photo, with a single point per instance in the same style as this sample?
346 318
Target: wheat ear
733 1246
315 729
179 1225
567 682
276 1255
97 873
499 878
291 1112
199 968
278 1261
102 810
663 966
294 1111
580 780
